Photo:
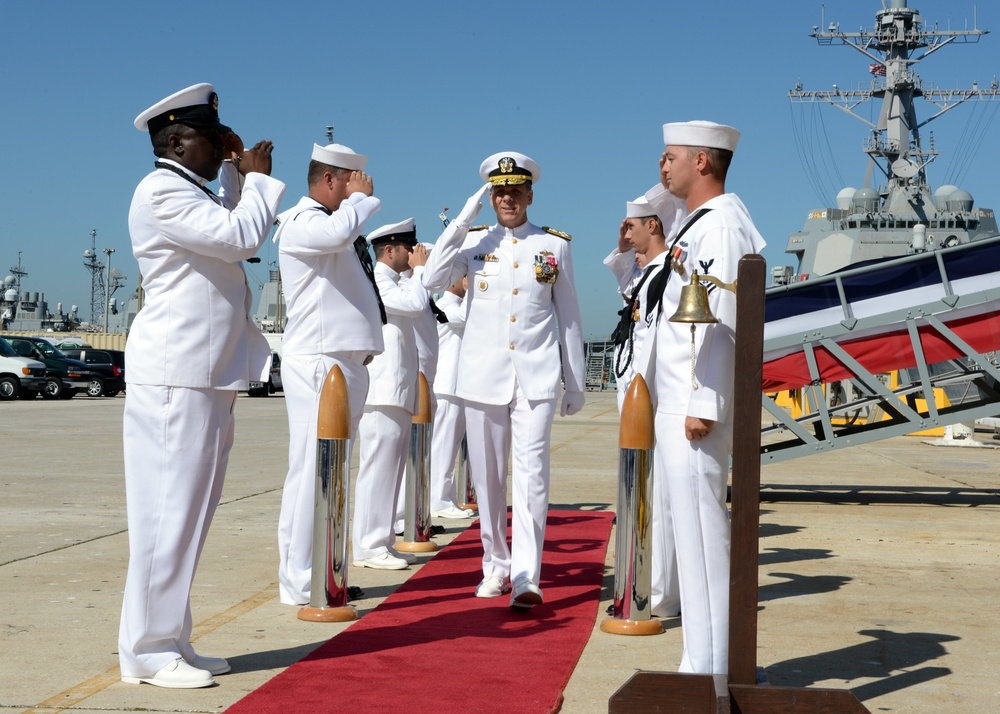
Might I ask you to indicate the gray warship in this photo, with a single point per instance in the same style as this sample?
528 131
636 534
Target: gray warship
889 324
894 213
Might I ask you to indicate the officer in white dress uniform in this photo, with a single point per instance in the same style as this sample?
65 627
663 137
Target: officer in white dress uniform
449 415
644 227
392 397
522 309
694 411
426 331
334 318
191 348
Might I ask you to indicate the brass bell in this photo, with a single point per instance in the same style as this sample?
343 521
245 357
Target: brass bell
693 306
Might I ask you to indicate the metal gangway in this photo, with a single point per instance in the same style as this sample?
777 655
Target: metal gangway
863 350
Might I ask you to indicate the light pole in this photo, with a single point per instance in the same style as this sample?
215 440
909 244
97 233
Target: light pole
107 289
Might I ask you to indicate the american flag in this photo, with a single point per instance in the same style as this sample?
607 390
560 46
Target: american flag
877 69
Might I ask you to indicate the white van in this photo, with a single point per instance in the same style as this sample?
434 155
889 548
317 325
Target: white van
19 376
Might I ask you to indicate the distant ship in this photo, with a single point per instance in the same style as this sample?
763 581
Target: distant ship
900 215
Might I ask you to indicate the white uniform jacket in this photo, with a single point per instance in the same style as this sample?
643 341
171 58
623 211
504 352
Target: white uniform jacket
713 246
520 287
425 327
393 374
195 329
449 344
627 273
331 303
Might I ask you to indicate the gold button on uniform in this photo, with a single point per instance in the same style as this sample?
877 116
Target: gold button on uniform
512 345
513 240
513 319
515 265
515 291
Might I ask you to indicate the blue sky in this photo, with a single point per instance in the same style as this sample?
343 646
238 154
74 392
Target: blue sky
427 90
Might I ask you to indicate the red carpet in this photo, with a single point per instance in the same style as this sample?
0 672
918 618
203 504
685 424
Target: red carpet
432 646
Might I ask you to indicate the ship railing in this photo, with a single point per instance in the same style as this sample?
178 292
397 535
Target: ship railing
896 347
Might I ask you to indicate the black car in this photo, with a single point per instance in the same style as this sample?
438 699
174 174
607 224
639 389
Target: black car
109 366
64 377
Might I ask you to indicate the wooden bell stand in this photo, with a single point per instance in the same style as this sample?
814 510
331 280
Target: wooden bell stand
741 690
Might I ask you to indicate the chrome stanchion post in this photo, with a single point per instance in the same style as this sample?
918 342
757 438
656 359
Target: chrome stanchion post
328 588
633 537
417 518
465 490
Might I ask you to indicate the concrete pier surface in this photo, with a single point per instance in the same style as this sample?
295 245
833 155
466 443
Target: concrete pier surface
878 568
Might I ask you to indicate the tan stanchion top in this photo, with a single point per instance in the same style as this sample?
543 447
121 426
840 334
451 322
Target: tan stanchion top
636 430
423 415
334 418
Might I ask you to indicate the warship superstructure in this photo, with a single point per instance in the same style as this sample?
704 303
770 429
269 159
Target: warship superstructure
895 212
889 324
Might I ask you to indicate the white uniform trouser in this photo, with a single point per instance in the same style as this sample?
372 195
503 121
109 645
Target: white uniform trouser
302 378
696 473
176 444
492 431
449 428
385 437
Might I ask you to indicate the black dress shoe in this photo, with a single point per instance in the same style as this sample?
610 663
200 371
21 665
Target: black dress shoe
354 592
436 530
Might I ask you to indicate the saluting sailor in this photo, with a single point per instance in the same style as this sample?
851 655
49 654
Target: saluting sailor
334 318
522 307
392 398
192 347
694 417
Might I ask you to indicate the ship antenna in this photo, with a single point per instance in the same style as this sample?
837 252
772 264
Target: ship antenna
329 133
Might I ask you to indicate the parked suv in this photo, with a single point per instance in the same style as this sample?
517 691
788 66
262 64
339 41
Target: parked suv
19 376
109 366
64 376
273 384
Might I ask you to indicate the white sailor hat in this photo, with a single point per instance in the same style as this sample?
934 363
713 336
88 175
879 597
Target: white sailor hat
700 133
402 233
339 156
509 168
196 106
639 208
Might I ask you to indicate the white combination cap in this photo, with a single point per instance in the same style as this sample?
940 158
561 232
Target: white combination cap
339 156
404 233
700 133
509 168
196 106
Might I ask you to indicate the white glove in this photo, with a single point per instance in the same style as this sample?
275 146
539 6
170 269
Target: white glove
572 402
472 207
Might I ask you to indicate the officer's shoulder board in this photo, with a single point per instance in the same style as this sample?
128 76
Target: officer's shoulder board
478 228
553 231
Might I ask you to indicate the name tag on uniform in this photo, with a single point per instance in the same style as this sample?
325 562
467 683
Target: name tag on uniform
487 258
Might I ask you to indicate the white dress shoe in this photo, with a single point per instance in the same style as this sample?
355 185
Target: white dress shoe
493 586
453 512
382 561
176 675
525 594
212 665
410 558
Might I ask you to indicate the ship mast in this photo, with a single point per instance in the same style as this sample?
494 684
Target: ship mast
898 42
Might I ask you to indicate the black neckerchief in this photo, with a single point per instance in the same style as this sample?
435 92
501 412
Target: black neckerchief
624 333
438 312
184 175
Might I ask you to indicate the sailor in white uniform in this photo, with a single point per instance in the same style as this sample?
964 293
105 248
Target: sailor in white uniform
522 314
647 219
392 397
449 414
334 318
694 406
192 347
